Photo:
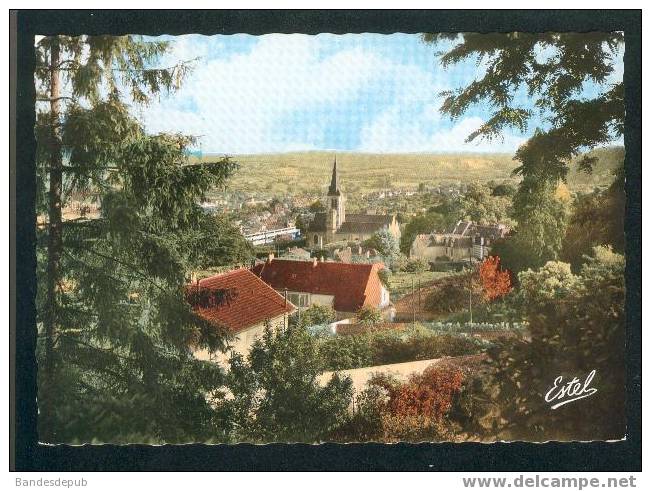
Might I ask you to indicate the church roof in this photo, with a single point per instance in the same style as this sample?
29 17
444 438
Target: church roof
334 190
360 227
367 218
355 223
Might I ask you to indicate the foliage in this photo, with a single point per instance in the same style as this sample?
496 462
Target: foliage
391 346
384 242
596 219
413 411
553 281
317 207
114 325
417 265
276 395
556 82
576 324
312 316
452 293
554 70
495 282
369 315
504 189
385 277
541 224
480 205
227 246
344 352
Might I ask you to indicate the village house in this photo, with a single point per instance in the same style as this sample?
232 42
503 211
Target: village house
358 254
464 242
249 304
335 225
344 287
296 253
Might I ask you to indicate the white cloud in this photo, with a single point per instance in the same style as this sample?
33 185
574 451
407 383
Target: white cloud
255 101
237 103
426 133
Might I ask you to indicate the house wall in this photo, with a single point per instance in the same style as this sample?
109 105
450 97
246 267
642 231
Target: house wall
312 298
242 341
430 253
385 298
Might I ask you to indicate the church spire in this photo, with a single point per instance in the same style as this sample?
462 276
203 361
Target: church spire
334 182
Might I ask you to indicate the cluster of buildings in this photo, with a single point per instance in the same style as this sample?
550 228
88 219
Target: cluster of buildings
465 242
335 225
270 291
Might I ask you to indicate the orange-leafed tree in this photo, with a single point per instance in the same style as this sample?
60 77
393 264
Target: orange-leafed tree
495 282
415 410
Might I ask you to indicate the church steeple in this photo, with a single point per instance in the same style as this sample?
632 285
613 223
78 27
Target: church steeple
336 214
334 182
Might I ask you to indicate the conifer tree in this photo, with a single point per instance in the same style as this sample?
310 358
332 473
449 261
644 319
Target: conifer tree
115 332
567 77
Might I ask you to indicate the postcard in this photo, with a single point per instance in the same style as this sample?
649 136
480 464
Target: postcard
313 238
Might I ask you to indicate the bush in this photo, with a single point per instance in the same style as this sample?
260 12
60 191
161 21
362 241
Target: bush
452 293
414 411
495 282
576 324
315 315
369 315
387 347
416 266
276 394
343 352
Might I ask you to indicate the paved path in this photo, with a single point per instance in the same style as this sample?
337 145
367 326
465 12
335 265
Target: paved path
401 371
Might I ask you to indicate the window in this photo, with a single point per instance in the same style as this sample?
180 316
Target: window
299 299
334 203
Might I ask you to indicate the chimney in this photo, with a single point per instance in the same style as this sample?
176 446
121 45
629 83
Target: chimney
314 262
270 257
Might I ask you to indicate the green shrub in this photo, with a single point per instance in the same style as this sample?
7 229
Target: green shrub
387 347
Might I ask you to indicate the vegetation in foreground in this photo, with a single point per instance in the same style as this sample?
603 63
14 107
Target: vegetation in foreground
114 328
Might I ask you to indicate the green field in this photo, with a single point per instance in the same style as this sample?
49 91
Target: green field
309 172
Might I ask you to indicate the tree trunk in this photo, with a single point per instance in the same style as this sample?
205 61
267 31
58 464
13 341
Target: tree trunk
55 246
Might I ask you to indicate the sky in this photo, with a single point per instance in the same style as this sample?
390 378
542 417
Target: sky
355 92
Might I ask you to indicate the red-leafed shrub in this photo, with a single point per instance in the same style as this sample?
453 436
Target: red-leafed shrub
429 394
416 410
495 282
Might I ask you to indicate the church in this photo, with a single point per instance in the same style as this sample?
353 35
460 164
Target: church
334 225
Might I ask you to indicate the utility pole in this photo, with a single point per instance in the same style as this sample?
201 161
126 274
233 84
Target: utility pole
419 311
470 289
413 304
286 315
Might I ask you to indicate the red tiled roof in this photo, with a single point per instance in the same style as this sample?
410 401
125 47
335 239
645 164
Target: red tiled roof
254 301
353 285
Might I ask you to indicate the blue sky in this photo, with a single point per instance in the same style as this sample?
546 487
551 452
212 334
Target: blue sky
356 92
